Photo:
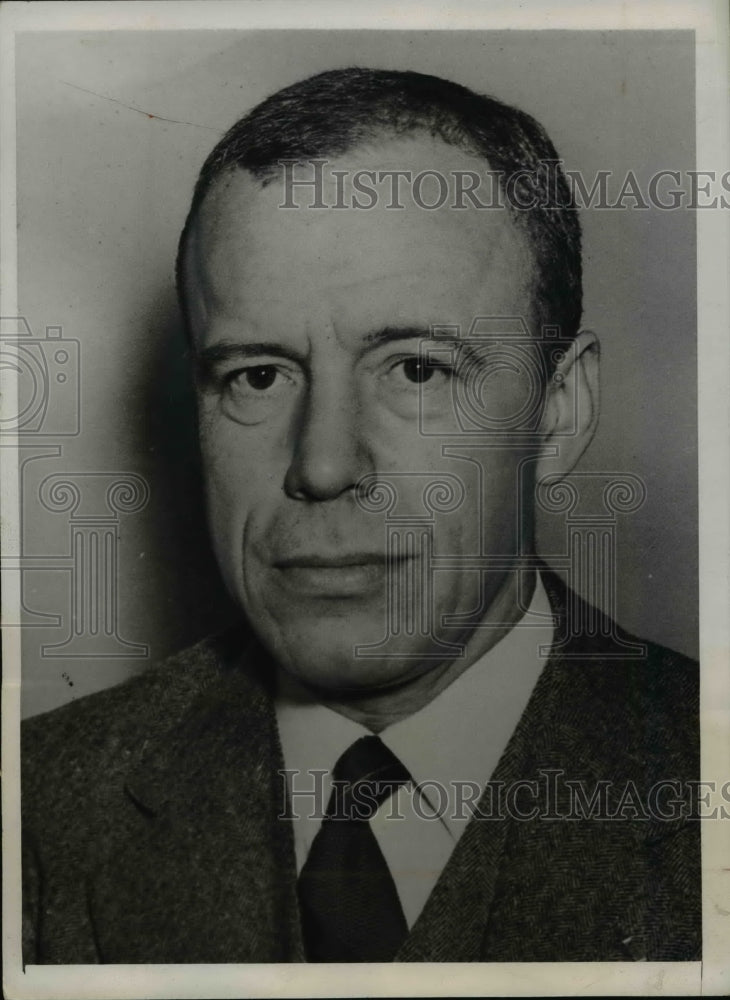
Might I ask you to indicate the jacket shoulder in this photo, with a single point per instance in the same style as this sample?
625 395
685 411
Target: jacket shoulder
589 634
631 698
92 739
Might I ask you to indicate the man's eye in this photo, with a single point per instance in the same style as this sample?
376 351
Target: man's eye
415 370
256 380
259 377
259 391
418 371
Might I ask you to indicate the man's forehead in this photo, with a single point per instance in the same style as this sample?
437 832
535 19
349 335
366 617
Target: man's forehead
431 170
242 234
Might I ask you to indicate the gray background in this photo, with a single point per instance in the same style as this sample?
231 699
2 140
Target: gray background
102 194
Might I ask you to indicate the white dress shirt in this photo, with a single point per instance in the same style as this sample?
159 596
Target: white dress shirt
457 737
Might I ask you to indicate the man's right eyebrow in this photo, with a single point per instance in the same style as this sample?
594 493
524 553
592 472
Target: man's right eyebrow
207 360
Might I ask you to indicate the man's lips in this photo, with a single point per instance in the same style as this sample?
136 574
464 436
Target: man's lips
334 561
341 575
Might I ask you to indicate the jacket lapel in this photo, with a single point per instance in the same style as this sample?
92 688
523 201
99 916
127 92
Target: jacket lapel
205 871
507 879
452 925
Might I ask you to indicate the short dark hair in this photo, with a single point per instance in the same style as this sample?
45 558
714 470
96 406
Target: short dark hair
338 110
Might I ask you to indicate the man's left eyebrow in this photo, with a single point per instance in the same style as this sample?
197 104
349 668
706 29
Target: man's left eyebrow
393 333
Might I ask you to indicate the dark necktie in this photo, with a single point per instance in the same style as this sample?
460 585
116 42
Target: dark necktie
348 901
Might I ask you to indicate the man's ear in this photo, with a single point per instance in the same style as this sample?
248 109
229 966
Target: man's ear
570 414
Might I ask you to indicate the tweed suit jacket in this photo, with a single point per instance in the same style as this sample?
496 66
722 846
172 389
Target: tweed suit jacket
153 829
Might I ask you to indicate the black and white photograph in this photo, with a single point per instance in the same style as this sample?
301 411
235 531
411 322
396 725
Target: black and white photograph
364 500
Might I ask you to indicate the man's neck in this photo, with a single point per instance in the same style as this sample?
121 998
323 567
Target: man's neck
380 709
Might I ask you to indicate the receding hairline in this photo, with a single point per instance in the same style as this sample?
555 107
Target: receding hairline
332 112
385 137
214 202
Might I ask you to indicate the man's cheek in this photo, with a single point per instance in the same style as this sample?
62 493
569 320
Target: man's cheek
236 501
237 459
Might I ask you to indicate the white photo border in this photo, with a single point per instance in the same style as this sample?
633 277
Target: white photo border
709 20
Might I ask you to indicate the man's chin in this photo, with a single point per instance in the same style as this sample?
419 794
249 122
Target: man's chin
363 679
339 655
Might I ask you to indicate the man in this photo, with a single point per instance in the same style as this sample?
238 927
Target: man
326 791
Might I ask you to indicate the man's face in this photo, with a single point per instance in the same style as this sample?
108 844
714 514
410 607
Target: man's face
307 325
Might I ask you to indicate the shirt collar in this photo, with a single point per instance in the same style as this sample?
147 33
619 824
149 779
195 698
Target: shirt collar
459 736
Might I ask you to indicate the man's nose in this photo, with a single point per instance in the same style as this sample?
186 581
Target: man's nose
329 452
